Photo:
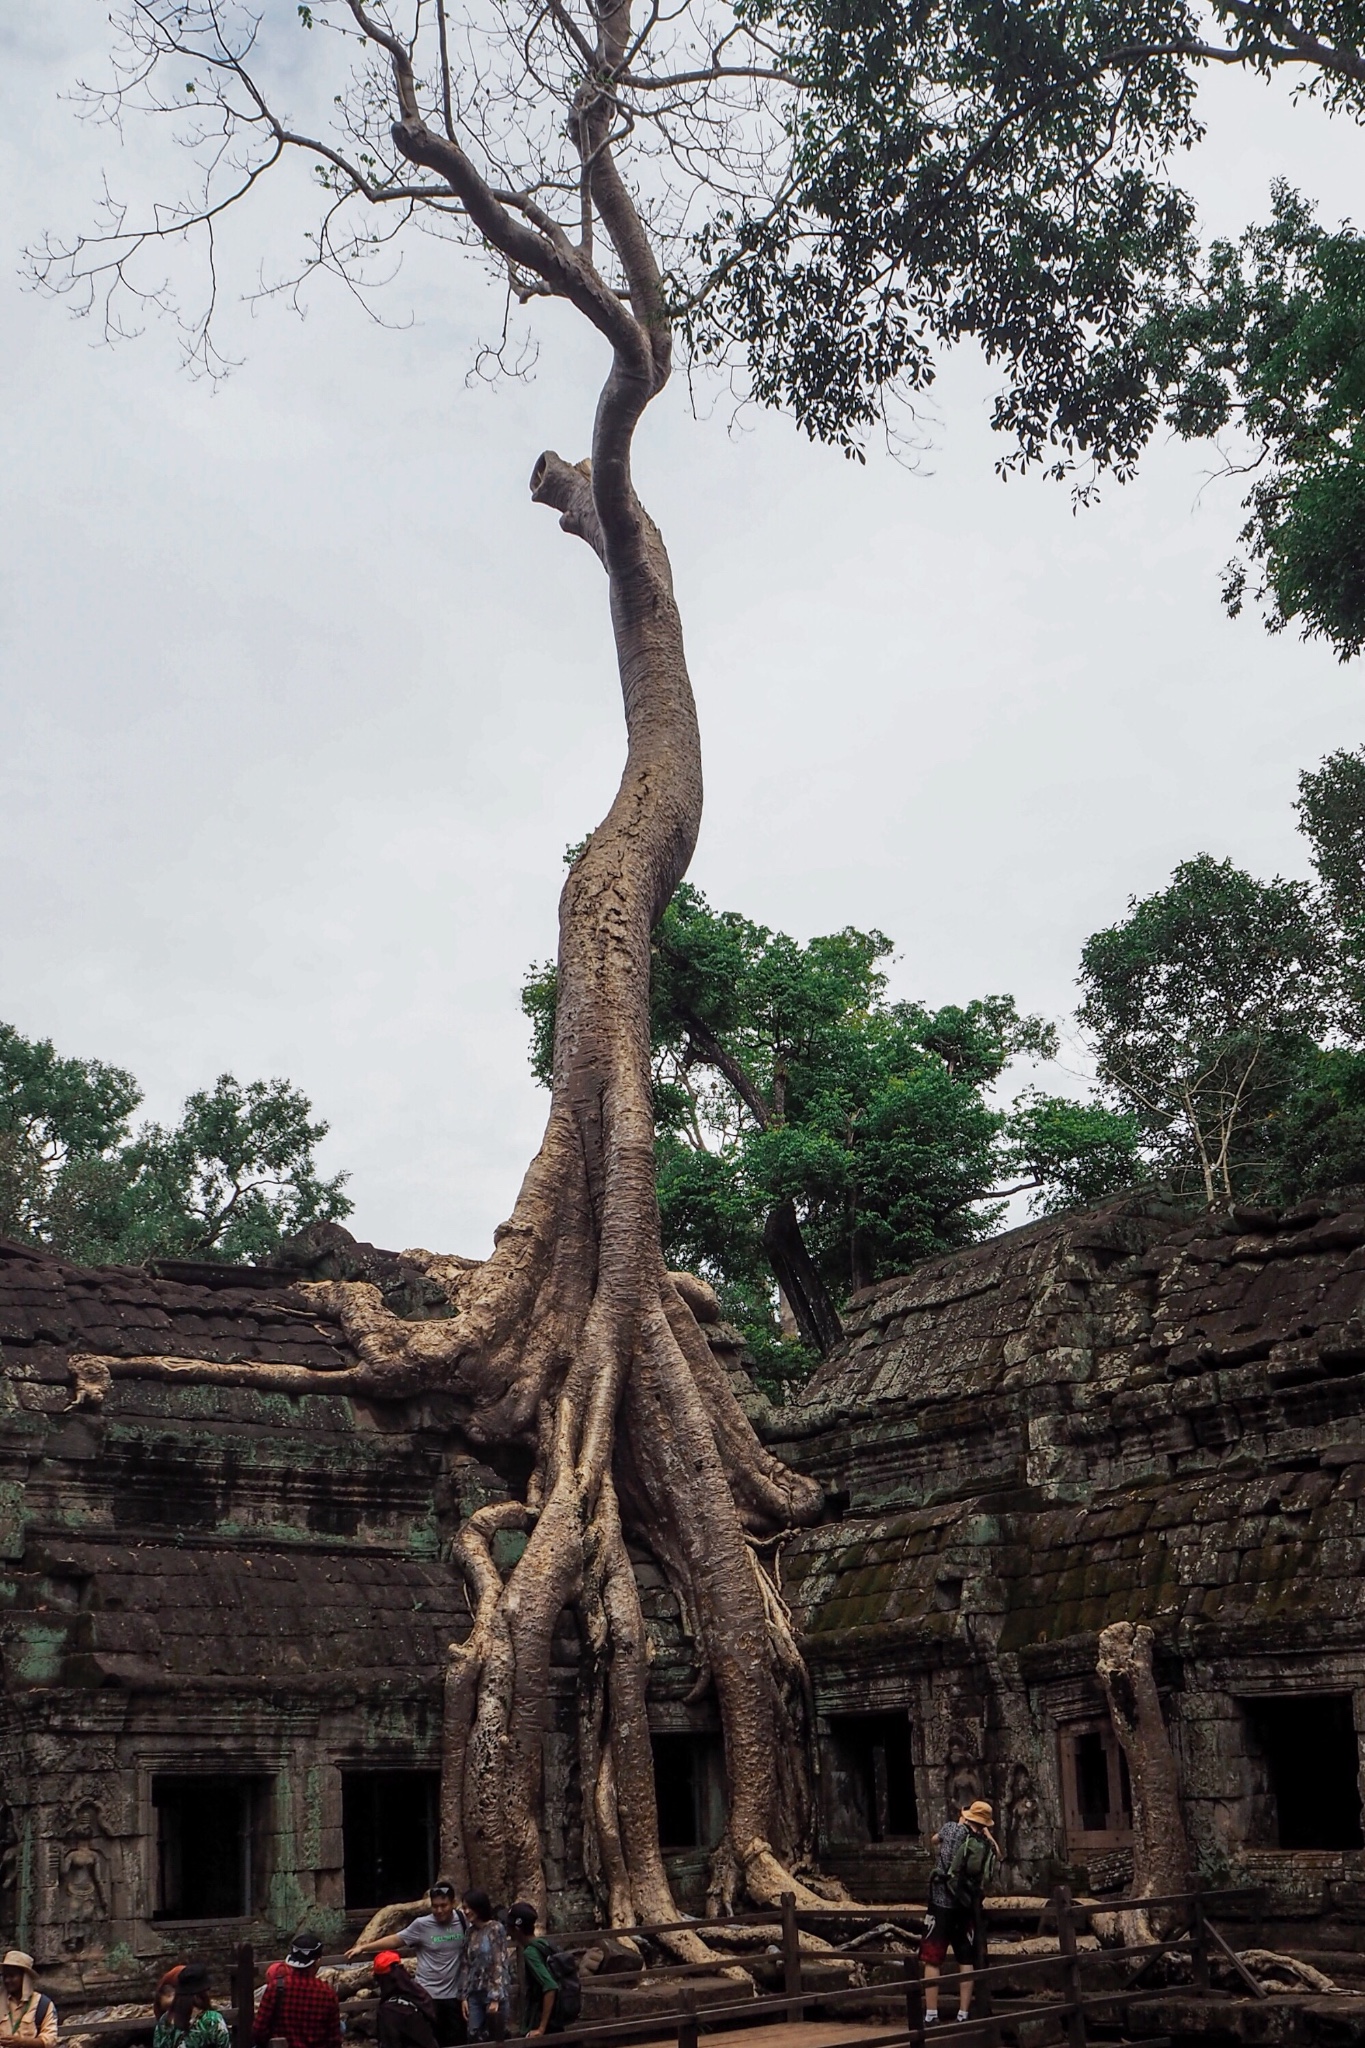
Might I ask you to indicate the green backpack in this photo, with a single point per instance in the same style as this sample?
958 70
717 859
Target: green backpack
971 1869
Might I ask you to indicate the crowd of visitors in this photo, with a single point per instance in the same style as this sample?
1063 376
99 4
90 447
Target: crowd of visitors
454 1975
475 1977
463 1974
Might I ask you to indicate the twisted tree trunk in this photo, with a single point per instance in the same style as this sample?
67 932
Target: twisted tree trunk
574 1340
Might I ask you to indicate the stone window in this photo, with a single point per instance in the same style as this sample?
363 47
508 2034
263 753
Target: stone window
689 1790
210 1844
1304 1759
1097 1799
872 1781
389 1834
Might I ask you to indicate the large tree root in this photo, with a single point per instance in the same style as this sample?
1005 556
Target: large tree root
1161 1858
683 1461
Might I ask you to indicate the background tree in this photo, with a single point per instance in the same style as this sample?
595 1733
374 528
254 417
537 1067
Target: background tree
62 1123
1269 338
1227 1015
1200 1005
233 1178
1331 808
814 1137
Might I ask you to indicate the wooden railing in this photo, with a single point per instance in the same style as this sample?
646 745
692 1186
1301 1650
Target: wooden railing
1187 1914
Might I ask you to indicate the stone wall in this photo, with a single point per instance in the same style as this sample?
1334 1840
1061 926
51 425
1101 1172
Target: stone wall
199 1582
1117 1416
1099 1418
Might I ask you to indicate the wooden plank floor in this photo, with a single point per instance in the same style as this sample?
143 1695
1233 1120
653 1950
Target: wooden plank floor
792 2034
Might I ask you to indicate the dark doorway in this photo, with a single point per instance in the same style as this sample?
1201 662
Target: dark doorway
209 1844
1308 1748
1097 1798
1092 1781
389 1832
689 1790
876 1773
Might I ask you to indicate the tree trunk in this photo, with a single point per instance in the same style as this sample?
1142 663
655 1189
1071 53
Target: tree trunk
574 1340
794 1269
1161 1858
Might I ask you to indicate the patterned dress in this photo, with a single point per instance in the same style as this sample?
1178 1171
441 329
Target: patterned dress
208 2029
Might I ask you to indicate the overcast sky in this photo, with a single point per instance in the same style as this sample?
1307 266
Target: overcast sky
302 698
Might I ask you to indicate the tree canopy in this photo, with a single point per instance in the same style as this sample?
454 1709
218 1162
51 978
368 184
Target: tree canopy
229 1181
1200 1005
1006 175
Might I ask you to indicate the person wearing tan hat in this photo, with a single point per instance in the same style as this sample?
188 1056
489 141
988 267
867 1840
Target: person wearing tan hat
26 2013
967 1856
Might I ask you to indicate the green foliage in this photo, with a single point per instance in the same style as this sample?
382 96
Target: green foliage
1227 1015
538 1006
783 1074
229 1181
1271 337
964 169
61 1120
1317 1139
235 1175
1076 1153
1200 1005
1331 807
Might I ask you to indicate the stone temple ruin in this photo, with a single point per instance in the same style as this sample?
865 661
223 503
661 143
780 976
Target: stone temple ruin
224 1609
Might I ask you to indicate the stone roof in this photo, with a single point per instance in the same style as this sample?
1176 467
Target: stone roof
1099 1417
206 1535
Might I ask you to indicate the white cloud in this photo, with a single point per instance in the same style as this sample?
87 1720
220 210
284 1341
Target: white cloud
302 698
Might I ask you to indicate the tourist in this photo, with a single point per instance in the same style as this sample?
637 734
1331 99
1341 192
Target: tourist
484 1972
438 1938
26 2013
191 2019
966 1860
296 2004
406 2012
541 2005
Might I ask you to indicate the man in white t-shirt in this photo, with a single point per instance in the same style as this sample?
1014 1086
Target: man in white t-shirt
436 1938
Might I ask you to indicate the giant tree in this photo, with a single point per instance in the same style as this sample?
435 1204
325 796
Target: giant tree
558 142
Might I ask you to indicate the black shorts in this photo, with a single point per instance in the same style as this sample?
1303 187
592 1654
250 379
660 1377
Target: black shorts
955 1929
450 2026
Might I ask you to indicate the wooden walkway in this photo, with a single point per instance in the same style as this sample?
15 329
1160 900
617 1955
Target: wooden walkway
792 2034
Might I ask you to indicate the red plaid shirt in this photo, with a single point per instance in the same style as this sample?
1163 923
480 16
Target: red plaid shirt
300 2007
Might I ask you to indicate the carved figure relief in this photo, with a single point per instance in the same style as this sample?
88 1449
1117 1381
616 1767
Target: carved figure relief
1028 1838
83 1901
9 1870
962 1776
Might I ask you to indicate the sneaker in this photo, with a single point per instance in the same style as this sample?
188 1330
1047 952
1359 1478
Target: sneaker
931 2019
964 2015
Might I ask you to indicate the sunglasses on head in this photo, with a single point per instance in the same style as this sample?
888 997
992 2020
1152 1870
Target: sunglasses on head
441 1891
